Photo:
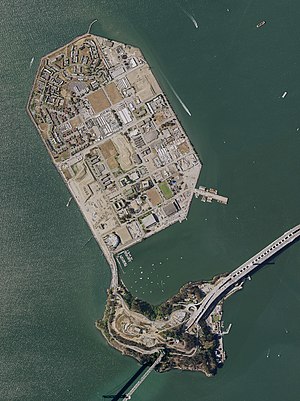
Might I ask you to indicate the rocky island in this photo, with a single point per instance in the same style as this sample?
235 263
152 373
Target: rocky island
143 331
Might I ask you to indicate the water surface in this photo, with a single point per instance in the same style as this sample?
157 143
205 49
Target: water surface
230 75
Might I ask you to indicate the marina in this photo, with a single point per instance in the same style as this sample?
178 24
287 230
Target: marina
124 257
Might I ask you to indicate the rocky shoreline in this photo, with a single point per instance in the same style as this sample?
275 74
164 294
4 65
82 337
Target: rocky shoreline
142 331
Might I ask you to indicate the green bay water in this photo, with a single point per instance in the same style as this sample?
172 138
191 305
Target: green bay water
231 76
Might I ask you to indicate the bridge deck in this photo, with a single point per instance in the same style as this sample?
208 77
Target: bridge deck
240 273
145 375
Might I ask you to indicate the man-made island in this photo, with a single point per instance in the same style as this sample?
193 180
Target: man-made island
115 140
127 161
132 170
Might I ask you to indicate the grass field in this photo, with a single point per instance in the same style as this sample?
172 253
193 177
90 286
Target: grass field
166 190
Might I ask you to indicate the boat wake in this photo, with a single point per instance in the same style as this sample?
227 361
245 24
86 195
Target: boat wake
31 62
180 101
69 201
176 95
191 18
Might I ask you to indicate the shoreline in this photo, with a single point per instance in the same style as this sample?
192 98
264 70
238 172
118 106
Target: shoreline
109 256
199 351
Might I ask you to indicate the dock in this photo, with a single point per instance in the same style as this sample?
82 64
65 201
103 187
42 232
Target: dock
225 332
124 257
208 195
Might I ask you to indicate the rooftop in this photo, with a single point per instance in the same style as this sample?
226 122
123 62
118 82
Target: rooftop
115 139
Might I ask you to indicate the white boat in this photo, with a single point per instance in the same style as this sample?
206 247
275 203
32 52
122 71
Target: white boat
31 62
284 95
69 201
191 18
260 24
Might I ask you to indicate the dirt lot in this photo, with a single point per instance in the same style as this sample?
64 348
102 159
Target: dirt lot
184 147
98 100
125 152
112 163
154 196
76 121
113 93
108 149
144 82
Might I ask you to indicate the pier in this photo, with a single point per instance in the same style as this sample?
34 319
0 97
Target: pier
208 195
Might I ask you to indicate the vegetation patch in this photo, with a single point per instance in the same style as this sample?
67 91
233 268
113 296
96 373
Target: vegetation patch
166 190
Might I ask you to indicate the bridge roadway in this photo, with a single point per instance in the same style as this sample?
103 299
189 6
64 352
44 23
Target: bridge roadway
145 375
240 273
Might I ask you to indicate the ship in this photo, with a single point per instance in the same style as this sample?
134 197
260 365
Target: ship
31 62
260 24
69 201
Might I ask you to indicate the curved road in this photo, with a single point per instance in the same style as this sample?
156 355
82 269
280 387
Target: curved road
240 273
